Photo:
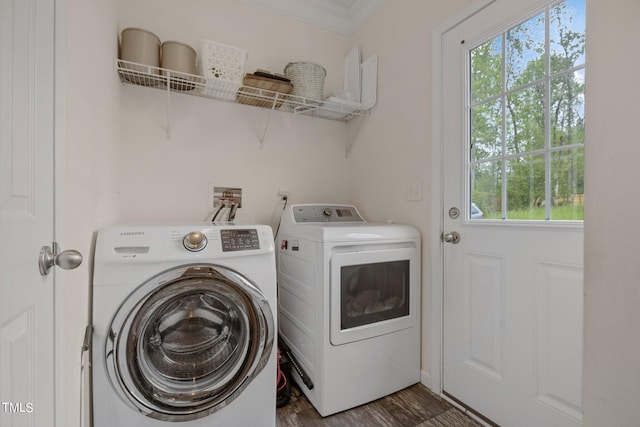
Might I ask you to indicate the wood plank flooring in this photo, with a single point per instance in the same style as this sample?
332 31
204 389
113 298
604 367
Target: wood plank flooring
415 406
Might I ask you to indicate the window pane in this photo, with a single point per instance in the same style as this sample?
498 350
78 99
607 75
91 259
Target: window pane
525 52
567 109
486 130
567 184
525 120
486 70
567 35
486 190
525 187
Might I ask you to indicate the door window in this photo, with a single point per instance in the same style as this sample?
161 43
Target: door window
526 118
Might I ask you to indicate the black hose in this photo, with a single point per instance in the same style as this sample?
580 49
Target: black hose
303 375
215 215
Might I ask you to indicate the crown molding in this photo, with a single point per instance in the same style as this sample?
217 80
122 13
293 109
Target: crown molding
341 16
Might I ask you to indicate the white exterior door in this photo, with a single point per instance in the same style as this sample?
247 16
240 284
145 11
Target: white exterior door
513 284
26 212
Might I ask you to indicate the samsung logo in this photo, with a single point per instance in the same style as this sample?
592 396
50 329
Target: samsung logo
132 233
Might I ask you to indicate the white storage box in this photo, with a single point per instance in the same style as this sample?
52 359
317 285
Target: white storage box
222 67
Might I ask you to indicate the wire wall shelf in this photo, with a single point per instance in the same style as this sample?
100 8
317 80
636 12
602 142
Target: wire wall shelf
222 90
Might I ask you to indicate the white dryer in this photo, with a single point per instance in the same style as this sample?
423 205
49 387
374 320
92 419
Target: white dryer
348 304
183 326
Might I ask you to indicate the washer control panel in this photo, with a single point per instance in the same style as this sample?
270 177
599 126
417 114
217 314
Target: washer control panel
239 239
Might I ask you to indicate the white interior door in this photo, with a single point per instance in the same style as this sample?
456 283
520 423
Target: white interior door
26 212
513 150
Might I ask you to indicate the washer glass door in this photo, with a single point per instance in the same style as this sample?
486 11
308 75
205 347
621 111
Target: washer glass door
188 341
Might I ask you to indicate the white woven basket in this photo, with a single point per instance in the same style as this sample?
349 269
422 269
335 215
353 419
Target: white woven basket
222 67
307 79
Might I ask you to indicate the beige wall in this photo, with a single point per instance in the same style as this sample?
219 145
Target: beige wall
612 270
119 165
392 146
217 143
90 158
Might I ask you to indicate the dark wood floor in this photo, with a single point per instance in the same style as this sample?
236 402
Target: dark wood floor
415 406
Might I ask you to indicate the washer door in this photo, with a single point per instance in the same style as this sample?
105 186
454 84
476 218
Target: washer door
188 341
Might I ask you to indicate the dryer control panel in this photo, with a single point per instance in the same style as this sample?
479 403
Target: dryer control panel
326 213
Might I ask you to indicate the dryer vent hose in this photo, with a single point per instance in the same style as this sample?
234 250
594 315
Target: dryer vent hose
294 362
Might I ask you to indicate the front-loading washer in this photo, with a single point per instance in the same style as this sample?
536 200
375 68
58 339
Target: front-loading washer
348 304
184 324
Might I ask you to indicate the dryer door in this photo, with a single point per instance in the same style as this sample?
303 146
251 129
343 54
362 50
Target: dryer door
188 341
373 292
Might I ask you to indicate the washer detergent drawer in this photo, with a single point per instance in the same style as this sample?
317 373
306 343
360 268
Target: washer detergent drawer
372 292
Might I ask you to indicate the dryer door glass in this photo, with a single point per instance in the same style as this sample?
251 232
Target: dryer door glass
372 292
189 341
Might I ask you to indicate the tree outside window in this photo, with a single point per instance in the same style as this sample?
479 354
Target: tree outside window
526 112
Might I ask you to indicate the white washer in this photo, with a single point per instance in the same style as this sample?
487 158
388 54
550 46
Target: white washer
348 304
183 326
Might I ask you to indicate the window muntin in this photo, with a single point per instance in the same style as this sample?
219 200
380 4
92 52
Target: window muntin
526 118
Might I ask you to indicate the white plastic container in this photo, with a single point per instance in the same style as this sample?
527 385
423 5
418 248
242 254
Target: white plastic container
222 67
141 47
180 57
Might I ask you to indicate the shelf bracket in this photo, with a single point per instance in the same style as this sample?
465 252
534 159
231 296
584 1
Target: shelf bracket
266 125
168 128
353 130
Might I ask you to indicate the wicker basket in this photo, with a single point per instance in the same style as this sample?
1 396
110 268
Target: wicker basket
222 67
307 79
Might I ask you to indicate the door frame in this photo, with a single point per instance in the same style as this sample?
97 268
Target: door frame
436 324
60 348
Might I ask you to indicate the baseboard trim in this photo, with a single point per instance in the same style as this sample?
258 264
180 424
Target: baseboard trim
425 379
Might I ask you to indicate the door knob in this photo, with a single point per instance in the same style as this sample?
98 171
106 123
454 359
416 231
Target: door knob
49 256
453 237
